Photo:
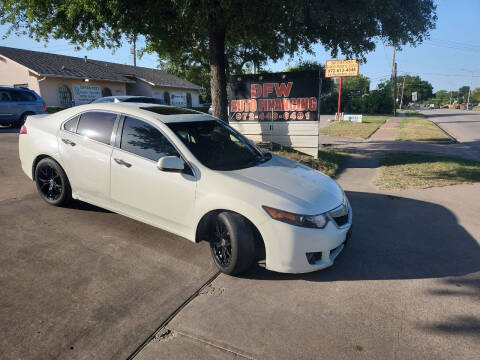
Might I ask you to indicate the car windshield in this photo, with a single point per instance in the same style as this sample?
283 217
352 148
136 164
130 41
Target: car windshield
217 146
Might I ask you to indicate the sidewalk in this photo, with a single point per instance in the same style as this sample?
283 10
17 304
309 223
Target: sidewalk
388 131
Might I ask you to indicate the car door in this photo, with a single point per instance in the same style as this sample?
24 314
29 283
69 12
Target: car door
140 189
7 107
86 149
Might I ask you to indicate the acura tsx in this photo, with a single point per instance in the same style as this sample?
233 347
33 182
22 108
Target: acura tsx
193 175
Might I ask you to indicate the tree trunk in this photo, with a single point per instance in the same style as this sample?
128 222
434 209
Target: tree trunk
218 79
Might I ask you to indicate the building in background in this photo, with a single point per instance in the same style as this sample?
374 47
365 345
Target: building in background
67 80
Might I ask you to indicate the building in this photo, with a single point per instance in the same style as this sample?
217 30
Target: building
66 80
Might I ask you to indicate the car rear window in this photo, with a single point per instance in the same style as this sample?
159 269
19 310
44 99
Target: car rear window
169 110
71 125
97 125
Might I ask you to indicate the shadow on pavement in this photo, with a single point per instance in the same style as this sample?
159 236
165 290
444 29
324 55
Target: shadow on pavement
80 205
397 238
9 130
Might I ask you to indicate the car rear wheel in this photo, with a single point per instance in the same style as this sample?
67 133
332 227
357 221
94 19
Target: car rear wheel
232 243
52 182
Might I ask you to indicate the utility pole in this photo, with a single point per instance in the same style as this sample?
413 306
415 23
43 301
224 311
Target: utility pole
468 99
394 81
403 88
133 50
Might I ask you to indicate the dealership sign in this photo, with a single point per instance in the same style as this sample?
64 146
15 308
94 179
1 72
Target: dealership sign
290 96
341 68
84 94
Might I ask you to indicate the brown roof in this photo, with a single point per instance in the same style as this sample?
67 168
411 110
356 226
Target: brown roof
47 64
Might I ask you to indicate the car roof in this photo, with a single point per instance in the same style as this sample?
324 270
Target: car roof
163 113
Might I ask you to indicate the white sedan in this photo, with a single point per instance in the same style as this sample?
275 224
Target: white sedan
192 175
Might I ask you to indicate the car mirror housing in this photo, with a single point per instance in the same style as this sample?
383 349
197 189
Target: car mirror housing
171 163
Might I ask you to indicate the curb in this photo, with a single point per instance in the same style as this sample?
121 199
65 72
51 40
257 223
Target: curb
454 141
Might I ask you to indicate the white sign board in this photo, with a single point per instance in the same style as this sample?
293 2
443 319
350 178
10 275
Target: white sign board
414 96
300 135
84 94
353 118
178 100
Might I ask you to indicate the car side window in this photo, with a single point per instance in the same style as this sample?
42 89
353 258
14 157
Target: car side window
23 96
142 139
5 96
71 125
97 125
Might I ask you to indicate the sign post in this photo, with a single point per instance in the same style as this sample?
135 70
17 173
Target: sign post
340 80
340 69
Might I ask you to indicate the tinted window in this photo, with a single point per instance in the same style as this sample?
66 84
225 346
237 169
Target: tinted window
146 100
71 125
218 146
5 95
169 110
97 126
22 96
144 140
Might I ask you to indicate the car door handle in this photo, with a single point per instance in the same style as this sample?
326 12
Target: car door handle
123 163
68 142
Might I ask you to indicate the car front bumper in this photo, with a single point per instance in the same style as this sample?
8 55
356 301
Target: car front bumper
294 249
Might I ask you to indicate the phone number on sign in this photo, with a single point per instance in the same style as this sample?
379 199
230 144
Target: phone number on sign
272 116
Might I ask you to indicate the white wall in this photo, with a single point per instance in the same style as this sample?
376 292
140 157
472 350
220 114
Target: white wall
49 88
159 92
12 74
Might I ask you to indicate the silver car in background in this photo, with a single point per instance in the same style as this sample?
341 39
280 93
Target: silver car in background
18 103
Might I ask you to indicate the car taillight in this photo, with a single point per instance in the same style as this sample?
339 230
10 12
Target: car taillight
23 129
44 106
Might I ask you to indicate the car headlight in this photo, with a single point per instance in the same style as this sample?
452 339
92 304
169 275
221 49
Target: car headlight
309 221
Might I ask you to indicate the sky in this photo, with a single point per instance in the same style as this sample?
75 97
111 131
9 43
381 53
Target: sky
448 60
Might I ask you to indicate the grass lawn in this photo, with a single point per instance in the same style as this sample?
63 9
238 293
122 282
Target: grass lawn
354 130
328 162
418 129
412 170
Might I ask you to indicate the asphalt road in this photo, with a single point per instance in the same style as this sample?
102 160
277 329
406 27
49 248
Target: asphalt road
463 125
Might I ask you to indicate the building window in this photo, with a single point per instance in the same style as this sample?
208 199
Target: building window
106 92
189 100
166 97
64 96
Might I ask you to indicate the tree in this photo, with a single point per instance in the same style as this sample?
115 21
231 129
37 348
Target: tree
475 96
463 93
205 29
412 84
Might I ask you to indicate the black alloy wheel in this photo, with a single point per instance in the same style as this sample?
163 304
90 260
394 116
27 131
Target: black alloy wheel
232 243
52 183
221 244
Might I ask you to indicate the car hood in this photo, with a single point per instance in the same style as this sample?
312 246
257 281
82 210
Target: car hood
304 188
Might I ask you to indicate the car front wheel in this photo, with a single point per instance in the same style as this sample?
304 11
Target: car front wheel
232 243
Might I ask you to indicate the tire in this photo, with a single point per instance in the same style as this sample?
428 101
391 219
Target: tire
52 182
232 243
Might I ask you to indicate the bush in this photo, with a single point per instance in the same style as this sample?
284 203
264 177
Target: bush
54 109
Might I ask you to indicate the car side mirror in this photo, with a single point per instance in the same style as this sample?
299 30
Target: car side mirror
171 163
